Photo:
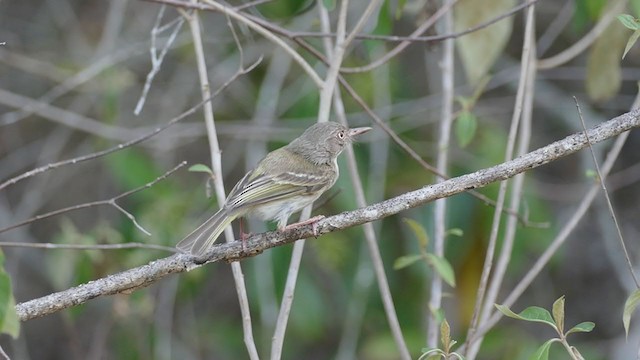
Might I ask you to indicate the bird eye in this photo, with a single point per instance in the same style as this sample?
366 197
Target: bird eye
341 135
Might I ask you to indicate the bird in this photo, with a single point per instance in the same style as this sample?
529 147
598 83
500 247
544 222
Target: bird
284 182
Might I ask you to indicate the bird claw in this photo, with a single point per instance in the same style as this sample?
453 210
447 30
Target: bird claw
311 221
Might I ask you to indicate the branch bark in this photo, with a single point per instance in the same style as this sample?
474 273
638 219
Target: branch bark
133 279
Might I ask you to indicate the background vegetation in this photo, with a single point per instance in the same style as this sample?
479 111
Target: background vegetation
72 73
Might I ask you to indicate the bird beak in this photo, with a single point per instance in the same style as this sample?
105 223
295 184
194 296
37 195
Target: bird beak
357 131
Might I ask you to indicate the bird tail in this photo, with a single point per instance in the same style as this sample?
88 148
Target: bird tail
200 240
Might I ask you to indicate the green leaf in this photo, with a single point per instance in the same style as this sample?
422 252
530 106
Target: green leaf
404 261
586 326
329 4
431 353
629 307
9 323
629 21
419 231
532 313
200 168
632 40
543 351
455 232
443 268
466 125
558 313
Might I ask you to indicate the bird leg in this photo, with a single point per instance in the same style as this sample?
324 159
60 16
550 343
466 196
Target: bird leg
243 236
313 221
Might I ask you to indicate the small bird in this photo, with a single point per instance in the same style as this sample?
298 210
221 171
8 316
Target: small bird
284 182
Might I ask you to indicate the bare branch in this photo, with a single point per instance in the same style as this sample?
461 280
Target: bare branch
608 199
111 201
138 140
146 275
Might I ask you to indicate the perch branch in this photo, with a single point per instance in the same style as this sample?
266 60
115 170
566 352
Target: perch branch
132 279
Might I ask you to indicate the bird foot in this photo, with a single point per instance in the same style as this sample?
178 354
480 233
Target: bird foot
313 221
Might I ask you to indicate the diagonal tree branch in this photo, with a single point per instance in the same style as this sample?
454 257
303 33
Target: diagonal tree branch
130 280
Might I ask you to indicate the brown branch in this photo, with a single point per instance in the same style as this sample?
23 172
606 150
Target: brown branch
129 280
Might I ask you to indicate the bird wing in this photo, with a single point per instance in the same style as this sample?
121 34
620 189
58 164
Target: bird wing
274 180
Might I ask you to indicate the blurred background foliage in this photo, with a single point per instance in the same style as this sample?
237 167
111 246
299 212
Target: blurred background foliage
97 51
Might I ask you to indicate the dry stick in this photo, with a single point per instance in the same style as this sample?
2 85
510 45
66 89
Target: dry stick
432 38
138 140
324 110
65 117
216 164
267 100
132 279
581 45
442 160
369 232
363 279
269 36
156 61
607 198
400 47
516 197
529 43
129 245
564 233
111 201
524 99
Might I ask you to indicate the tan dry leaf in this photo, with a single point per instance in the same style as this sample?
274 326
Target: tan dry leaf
480 49
603 63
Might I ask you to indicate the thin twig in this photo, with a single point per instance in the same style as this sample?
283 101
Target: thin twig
526 61
247 20
111 201
156 61
442 163
129 245
138 140
146 275
216 164
432 38
607 198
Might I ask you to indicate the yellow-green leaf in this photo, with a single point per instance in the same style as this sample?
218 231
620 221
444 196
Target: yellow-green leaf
443 268
200 168
586 326
532 313
629 21
8 317
632 40
445 335
480 49
465 127
604 75
629 307
558 313
419 231
543 351
404 261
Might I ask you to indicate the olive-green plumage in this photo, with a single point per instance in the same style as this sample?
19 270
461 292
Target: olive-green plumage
284 182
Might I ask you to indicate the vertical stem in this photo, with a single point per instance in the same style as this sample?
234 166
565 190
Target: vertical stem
527 47
216 165
439 227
